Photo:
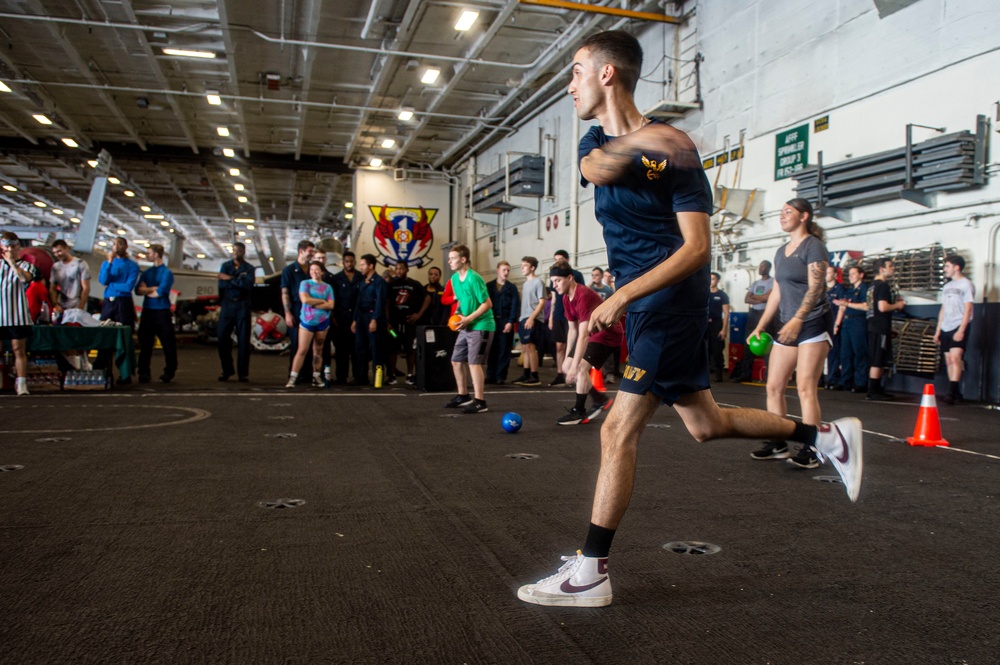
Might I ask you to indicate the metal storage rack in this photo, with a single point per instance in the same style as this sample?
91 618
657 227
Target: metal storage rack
917 270
524 176
914 172
913 346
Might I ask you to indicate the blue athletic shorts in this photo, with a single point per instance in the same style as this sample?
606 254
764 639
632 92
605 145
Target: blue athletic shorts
532 335
320 327
666 355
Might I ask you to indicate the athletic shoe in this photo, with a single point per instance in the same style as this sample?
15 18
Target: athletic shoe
580 582
574 417
840 442
318 382
805 458
880 397
477 406
291 382
530 382
391 381
22 386
772 450
524 377
459 400
597 409
411 379
166 378
560 380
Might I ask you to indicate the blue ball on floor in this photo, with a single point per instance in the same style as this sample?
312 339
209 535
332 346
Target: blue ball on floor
511 422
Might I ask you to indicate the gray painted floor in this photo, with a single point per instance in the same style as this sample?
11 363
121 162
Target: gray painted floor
146 543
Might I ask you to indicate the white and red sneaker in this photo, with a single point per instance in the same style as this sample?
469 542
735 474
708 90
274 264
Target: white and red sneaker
840 442
580 582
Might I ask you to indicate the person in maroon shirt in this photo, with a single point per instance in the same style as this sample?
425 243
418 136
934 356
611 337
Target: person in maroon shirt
591 350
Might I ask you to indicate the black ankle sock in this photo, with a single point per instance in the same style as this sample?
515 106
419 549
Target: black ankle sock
955 390
534 375
874 386
581 402
804 434
598 541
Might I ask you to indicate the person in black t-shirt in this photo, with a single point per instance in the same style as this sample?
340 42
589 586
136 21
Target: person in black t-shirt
407 299
885 301
718 325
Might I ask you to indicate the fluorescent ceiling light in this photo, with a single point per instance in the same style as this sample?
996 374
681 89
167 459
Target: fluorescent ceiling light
114 181
405 115
241 233
200 256
129 193
145 208
121 232
244 220
376 162
388 143
102 244
171 230
249 241
75 220
186 53
239 187
164 223
348 204
242 199
71 143
349 215
40 204
249 227
430 76
153 216
228 152
223 131
213 98
93 163
3 87
10 188
466 20
57 211
42 119
234 172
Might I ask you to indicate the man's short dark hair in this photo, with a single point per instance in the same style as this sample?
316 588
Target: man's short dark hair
561 252
880 263
306 244
240 244
463 252
59 243
158 249
597 268
716 275
530 260
369 259
955 260
857 266
349 253
561 271
619 49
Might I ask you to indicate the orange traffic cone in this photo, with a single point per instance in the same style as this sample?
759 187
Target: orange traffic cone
928 429
597 379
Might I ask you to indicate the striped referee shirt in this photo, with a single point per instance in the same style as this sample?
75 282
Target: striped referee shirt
13 301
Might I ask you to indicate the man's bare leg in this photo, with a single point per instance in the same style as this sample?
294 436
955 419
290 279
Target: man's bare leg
619 446
478 381
459 370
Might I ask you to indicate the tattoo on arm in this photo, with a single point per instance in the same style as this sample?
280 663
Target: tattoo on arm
817 285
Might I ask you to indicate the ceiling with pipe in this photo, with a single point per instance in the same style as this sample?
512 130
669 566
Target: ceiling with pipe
221 110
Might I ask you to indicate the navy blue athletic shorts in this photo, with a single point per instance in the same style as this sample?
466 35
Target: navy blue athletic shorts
666 355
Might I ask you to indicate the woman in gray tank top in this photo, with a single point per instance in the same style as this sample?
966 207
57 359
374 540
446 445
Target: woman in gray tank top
806 320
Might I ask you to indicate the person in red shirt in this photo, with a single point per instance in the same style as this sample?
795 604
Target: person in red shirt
38 295
590 350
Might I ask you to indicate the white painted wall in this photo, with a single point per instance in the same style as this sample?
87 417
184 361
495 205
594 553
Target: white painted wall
373 189
770 65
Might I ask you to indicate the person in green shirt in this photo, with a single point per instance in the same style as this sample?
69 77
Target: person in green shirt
475 332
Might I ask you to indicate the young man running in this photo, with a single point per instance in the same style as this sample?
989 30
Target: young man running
591 349
532 326
654 202
475 332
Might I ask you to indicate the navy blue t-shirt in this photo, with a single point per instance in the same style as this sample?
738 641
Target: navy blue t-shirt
715 302
639 217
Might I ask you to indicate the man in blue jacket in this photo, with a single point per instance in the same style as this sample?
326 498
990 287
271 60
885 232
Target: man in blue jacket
506 309
236 279
371 321
118 275
157 319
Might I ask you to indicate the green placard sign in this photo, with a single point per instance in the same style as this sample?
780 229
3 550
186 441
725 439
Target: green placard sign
791 152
